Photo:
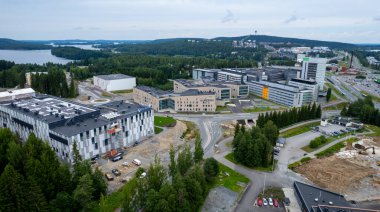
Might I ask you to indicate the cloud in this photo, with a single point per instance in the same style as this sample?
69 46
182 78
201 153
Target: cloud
94 28
229 17
291 19
376 18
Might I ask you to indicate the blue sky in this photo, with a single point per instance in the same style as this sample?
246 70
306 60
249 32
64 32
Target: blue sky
336 20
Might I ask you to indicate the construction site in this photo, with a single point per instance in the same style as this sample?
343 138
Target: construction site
145 152
353 171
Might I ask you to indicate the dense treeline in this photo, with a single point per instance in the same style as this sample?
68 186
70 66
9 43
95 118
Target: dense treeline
74 53
196 48
182 188
21 45
363 109
288 117
155 70
362 56
253 147
33 179
53 83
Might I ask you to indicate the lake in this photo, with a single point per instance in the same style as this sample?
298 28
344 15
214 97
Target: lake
31 56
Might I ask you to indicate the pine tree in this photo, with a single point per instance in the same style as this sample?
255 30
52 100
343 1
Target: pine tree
173 163
328 95
318 113
198 151
72 90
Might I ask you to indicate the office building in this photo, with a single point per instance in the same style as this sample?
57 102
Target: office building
279 93
204 73
114 82
233 75
315 69
304 84
16 94
191 100
96 130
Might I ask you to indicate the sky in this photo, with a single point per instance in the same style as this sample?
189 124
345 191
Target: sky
353 21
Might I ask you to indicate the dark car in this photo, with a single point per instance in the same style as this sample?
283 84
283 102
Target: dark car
116 172
117 158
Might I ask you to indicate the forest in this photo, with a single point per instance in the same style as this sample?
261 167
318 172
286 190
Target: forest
33 179
253 147
74 53
364 109
286 118
54 83
362 56
21 45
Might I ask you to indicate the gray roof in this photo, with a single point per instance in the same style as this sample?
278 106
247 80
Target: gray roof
114 76
154 91
308 195
194 92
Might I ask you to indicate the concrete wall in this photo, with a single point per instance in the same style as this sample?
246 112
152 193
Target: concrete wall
115 85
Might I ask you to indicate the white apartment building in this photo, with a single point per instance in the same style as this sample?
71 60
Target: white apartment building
315 69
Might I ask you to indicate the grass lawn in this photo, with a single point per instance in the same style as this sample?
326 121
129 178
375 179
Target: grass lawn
298 130
162 121
230 179
334 89
329 140
256 109
375 129
157 130
335 148
339 106
122 91
221 108
231 157
333 97
105 94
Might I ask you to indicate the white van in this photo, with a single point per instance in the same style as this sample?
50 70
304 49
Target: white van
137 162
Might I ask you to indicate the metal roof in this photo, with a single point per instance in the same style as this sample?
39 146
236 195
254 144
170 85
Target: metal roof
113 76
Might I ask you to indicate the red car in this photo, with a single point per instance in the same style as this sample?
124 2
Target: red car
275 203
259 202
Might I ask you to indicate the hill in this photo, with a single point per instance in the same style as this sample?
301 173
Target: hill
10 44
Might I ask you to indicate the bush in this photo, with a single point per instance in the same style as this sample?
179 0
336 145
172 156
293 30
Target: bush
314 144
306 159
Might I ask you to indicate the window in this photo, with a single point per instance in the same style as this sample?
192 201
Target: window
96 146
92 140
106 142
87 134
126 134
140 128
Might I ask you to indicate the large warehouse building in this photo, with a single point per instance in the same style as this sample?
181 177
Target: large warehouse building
96 129
114 82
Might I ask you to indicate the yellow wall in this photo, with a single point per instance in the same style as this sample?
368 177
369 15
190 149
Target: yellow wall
265 92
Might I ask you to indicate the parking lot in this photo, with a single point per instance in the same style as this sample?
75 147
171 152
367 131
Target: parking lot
332 129
270 208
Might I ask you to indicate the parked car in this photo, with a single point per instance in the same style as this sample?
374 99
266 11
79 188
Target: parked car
137 162
108 176
259 202
270 201
116 172
136 143
117 158
126 164
265 202
275 202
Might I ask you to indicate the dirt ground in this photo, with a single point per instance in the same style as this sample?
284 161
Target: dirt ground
355 175
146 151
228 128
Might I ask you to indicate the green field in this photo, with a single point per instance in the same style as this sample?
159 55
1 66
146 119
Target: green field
162 121
339 106
375 129
374 98
298 130
122 91
157 130
335 148
329 140
221 108
335 90
231 157
256 109
230 179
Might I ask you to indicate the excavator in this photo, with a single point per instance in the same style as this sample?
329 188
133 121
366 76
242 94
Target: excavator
364 151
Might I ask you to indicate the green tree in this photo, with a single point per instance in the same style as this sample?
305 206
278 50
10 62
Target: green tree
12 191
156 175
83 192
184 160
328 95
173 163
198 151
271 132
211 169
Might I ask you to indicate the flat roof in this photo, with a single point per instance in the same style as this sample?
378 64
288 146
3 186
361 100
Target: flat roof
194 92
309 82
276 85
154 91
114 76
16 92
313 196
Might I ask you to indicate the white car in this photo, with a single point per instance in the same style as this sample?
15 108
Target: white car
125 163
265 202
270 201
143 175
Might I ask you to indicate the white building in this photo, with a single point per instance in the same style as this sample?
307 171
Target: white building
306 85
59 122
315 69
115 82
16 94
